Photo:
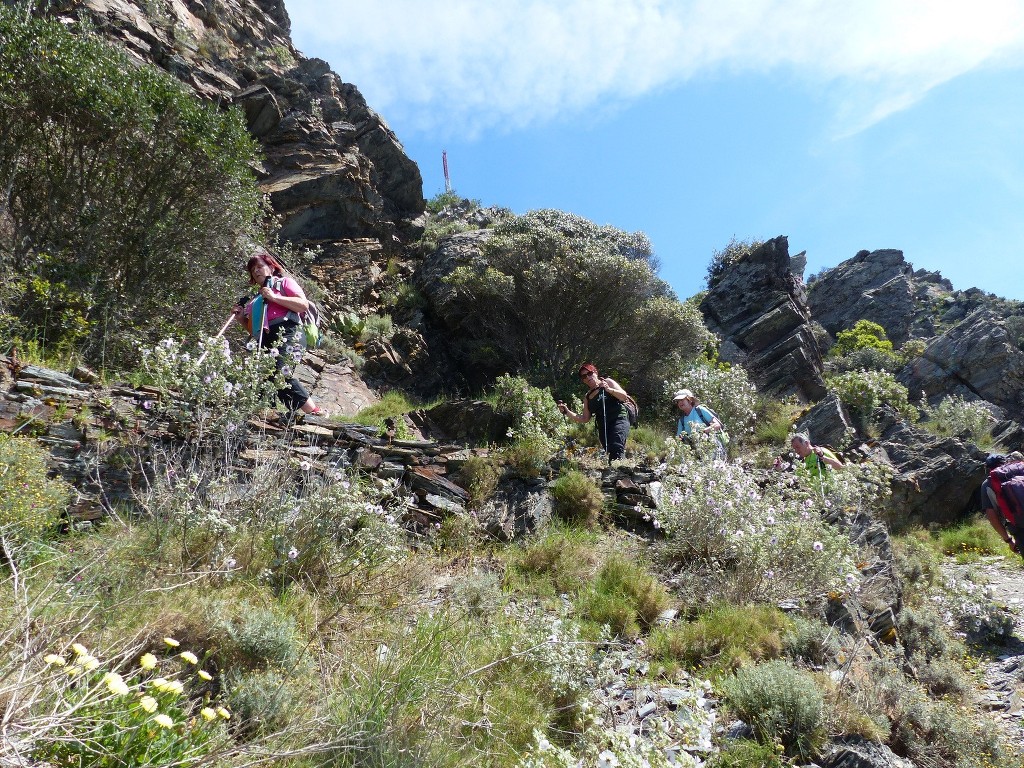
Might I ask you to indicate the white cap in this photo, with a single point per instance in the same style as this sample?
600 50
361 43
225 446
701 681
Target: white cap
682 394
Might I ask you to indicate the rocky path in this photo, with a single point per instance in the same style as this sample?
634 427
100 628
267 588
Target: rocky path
1002 691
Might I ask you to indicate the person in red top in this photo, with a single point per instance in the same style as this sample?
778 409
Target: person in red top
281 330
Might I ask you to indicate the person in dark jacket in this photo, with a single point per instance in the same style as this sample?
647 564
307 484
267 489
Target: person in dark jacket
605 401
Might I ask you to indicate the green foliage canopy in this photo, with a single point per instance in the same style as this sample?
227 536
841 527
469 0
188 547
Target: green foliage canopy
864 335
135 188
554 290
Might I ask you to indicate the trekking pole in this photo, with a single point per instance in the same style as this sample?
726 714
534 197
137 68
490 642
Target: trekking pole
604 423
219 334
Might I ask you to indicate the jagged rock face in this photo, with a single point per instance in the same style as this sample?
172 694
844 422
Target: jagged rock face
875 286
974 359
759 309
333 168
936 478
452 253
828 423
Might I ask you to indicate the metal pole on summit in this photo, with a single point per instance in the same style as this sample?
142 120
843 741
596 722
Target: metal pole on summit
447 178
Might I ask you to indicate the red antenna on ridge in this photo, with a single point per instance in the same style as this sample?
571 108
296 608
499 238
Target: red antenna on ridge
447 178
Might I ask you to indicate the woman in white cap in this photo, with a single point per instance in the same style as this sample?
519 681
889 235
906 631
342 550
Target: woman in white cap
698 420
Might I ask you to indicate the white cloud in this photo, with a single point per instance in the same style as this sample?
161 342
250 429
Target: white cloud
462 66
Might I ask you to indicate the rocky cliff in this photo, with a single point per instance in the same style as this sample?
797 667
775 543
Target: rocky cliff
336 176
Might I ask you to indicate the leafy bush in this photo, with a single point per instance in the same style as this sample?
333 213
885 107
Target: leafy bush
208 390
30 502
956 417
480 476
538 427
577 499
377 328
261 700
866 358
864 391
782 704
726 389
253 637
543 271
625 597
864 335
135 189
726 258
750 535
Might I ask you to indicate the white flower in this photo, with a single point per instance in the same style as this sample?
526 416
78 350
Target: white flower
274 352
305 466
607 759
251 345
230 563
817 546
293 553
167 343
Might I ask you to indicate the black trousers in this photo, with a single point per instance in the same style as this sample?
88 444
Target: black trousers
292 346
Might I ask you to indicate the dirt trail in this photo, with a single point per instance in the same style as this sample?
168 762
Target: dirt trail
1003 672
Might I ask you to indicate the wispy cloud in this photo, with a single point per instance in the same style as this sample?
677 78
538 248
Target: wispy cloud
462 66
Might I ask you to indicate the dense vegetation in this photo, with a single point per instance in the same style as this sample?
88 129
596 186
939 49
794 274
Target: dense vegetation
124 198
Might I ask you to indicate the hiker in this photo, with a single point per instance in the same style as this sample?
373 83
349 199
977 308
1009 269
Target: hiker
605 401
699 420
278 305
817 458
1012 535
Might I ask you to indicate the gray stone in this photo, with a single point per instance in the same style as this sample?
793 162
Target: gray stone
858 752
50 377
474 421
828 423
519 507
875 286
759 310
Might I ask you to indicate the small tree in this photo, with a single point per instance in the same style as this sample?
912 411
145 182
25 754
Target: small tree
554 290
864 335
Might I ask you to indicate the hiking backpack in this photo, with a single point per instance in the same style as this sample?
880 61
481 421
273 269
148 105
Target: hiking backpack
1007 482
309 320
632 411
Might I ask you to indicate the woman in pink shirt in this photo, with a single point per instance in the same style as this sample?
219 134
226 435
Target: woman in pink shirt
282 330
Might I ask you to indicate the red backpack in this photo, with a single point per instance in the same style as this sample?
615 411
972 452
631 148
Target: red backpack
1007 482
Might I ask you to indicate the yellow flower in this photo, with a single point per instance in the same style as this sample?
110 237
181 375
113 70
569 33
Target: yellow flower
148 661
171 642
223 713
189 657
204 675
158 683
148 703
80 650
54 660
164 721
115 683
175 687
208 714
89 663
74 670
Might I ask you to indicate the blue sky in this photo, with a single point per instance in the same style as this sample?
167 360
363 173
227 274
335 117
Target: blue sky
845 126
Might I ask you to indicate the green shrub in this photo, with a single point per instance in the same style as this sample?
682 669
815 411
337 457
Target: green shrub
743 753
528 456
547 266
811 640
255 637
782 704
577 499
262 700
377 328
560 561
448 199
135 189
625 597
864 335
956 417
480 476
30 502
866 358
478 593
645 441
725 638
864 391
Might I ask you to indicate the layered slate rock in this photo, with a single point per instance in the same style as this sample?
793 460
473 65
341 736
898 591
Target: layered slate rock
759 309
937 478
828 423
333 169
976 360
875 286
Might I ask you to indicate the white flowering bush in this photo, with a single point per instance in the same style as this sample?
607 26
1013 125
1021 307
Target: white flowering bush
727 390
759 535
538 428
968 609
212 394
954 417
863 391
160 713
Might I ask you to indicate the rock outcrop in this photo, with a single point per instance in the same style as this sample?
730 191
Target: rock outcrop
333 170
936 478
759 309
976 360
875 286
